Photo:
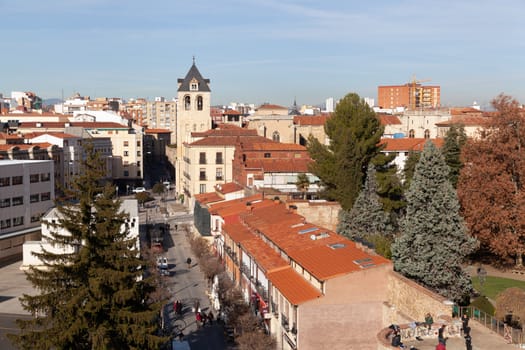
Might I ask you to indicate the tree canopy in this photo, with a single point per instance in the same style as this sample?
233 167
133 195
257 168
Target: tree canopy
93 295
433 242
354 131
491 185
454 141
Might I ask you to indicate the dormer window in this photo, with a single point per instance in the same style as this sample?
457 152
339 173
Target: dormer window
194 85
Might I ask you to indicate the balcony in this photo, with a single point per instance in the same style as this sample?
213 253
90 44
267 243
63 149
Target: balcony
263 292
284 323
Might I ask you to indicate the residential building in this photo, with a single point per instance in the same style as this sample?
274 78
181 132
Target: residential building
73 104
471 119
129 207
402 147
412 95
263 164
304 126
27 191
193 115
162 114
135 110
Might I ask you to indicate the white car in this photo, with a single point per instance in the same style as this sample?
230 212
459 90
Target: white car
139 189
162 264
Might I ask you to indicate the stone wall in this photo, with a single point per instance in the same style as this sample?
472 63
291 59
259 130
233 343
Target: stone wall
408 301
322 213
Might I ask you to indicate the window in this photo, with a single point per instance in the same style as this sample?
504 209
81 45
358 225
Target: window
138 153
45 177
138 173
34 198
126 153
138 143
126 143
126 163
194 86
187 103
218 158
126 173
17 180
202 174
267 155
18 221
5 181
218 174
411 133
275 136
199 103
427 134
138 163
5 202
18 200
5 223
202 158
45 196
34 178
36 217
202 188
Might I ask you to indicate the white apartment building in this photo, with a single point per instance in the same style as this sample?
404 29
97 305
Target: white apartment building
129 206
27 191
162 114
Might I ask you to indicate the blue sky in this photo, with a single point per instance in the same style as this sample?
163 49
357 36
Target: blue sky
257 51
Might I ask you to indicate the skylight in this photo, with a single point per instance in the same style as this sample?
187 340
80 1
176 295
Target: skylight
308 230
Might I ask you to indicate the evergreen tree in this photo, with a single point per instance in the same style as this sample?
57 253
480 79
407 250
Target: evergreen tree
302 184
367 216
409 168
354 131
433 241
92 296
454 141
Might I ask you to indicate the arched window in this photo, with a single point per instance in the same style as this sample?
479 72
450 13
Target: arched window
187 103
427 134
194 127
411 133
199 103
275 136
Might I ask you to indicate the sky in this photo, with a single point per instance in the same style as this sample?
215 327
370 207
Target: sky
258 51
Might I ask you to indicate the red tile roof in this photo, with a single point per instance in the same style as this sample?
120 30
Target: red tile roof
267 258
208 198
57 134
294 287
466 120
270 106
387 119
269 145
282 165
231 112
310 120
228 187
408 144
235 206
6 136
158 131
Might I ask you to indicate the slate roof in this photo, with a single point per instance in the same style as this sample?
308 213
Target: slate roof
194 73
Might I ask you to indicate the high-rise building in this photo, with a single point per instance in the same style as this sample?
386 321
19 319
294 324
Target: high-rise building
410 96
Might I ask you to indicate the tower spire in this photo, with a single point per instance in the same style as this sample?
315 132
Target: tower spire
193 59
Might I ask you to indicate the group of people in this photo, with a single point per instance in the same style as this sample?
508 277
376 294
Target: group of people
203 318
177 307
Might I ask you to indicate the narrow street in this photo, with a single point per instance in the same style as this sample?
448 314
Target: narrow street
186 284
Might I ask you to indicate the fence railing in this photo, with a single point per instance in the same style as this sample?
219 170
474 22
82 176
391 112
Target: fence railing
510 334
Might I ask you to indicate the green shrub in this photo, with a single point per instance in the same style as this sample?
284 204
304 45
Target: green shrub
484 304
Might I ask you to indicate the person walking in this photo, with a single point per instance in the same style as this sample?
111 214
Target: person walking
468 340
429 321
188 261
441 335
464 320
210 317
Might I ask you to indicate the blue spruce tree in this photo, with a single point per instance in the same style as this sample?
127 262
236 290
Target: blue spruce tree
433 242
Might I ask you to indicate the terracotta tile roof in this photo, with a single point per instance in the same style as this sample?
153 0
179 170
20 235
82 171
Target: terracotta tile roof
207 198
408 144
387 119
237 232
269 145
57 134
228 187
466 120
235 206
327 256
158 131
25 146
310 120
282 165
267 259
292 286
464 110
6 136
270 106
231 112
216 141
226 130
87 125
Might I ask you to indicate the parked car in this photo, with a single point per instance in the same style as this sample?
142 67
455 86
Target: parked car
162 265
139 189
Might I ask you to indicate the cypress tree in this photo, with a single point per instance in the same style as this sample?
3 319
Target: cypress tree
433 241
454 141
354 131
92 296
367 216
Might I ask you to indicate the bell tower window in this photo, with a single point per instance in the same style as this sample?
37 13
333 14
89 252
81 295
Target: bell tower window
199 103
187 103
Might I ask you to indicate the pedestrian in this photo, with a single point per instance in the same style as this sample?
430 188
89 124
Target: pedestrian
441 337
198 318
210 317
468 340
429 320
188 261
464 320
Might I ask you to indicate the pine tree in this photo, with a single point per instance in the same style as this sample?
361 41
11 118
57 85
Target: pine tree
433 241
367 216
92 296
409 169
354 131
454 141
